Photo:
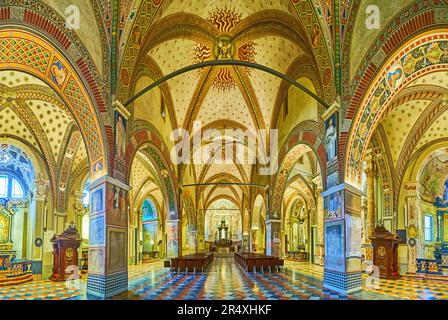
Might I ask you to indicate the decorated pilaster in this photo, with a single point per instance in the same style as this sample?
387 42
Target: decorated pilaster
200 232
342 213
370 205
366 250
36 222
319 254
109 211
412 222
108 241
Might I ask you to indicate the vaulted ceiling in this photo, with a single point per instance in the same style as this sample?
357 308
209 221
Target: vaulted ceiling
188 32
31 112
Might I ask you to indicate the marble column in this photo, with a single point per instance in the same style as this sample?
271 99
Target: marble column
342 267
108 241
273 226
174 243
139 237
319 254
412 223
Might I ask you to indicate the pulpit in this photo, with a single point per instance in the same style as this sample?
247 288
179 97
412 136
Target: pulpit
385 252
65 253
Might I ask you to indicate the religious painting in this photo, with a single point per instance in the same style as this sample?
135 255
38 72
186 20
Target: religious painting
116 202
97 201
116 253
354 227
395 76
334 204
331 133
96 260
58 72
120 135
332 180
334 246
96 236
97 169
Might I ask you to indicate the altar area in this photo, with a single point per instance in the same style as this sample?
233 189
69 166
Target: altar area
12 270
436 265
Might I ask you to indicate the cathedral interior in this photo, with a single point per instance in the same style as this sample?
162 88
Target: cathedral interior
234 149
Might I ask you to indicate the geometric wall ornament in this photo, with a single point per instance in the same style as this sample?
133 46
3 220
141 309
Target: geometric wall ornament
26 52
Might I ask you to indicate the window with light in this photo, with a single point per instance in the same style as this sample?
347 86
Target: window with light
429 230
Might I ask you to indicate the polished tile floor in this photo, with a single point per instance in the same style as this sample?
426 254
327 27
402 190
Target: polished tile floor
226 280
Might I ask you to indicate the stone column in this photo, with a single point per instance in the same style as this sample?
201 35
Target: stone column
108 263
139 237
412 225
273 226
319 254
36 228
342 267
193 240
38 233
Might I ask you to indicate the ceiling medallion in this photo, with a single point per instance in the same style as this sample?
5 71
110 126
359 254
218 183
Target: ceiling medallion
224 49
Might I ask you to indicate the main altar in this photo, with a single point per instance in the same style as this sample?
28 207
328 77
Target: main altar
223 243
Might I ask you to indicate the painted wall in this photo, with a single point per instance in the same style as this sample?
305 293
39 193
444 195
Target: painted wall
363 37
89 32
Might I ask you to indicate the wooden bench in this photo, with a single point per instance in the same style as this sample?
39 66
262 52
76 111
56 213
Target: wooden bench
191 262
252 261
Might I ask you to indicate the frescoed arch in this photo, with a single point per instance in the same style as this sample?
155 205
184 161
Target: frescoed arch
144 136
27 52
303 138
421 56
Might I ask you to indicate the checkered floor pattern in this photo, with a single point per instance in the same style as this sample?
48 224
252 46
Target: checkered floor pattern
226 280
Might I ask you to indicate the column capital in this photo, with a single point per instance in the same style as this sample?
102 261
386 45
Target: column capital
411 188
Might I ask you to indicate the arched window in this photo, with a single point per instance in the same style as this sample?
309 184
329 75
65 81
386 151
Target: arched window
16 172
10 187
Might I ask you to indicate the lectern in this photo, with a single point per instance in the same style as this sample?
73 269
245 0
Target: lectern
65 254
385 252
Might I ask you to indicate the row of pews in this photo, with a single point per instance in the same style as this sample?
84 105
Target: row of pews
192 262
251 261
